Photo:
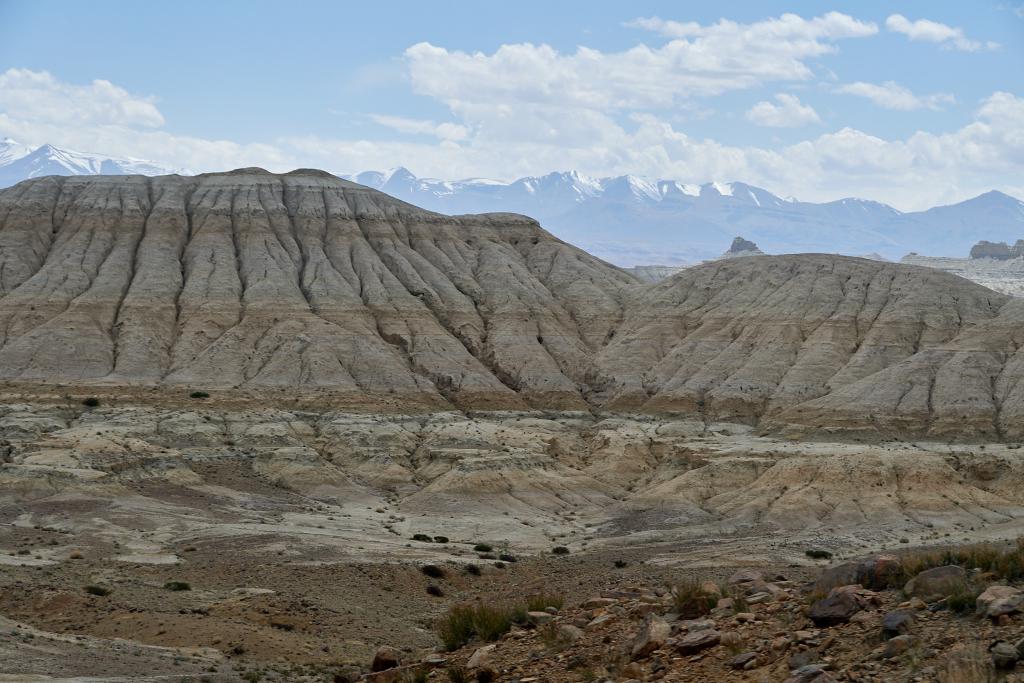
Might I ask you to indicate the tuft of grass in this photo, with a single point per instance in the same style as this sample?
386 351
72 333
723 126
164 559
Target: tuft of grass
457 674
963 600
462 623
559 550
541 601
689 601
435 591
90 402
483 547
818 554
507 557
178 586
1006 564
97 590
433 571
621 564
422 537
199 394
473 569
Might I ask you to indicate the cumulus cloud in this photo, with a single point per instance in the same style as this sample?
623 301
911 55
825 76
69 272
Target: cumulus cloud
442 131
892 95
37 95
788 113
935 32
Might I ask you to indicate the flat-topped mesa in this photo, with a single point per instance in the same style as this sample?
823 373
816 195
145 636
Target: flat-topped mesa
313 285
997 250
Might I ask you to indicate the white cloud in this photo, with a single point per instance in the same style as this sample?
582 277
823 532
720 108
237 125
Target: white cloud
507 140
892 95
442 131
698 61
37 95
935 32
788 113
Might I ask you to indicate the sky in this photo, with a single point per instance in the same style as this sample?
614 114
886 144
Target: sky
914 104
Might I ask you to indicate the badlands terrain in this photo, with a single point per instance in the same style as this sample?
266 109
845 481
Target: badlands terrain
257 426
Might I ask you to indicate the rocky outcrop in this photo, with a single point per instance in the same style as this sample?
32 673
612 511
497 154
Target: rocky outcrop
306 283
742 247
997 250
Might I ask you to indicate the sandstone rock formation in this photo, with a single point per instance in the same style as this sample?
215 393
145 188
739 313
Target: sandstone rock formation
307 283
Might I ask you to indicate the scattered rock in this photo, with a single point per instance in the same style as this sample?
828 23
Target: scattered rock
386 658
894 647
1004 655
651 637
836 608
897 622
482 657
996 601
741 661
692 643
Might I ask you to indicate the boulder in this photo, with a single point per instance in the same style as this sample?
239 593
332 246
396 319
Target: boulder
812 673
937 583
482 657
1004 655
996 601
894 647
897 622
836 608
876 573
385 658
692 643
539 618
569 633
652 635
741 661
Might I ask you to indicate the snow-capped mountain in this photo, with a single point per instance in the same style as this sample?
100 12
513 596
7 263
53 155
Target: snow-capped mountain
634 221
19 162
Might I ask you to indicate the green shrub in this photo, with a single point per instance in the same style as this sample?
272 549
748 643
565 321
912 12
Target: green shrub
473 569
199 394
818 554
457 674
178 586
433 571
963 600
620 564
97 590
435 591
506 557
422 537
483 547
440 539
90 402
464 622
559 550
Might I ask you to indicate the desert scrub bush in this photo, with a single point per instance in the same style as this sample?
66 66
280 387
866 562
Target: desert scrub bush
559 550
473 569
507 557
462 623
621 564
541 601
178 586
93 589
690 601
818 554
199 394
483 547
963 600
423 538
90 402
1006 564
440 539
433 571
457 674
435 591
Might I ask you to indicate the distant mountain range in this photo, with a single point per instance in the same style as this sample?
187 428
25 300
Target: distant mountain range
634 221
20 162
630 220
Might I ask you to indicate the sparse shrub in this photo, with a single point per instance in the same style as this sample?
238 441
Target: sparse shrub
541 601
473 569
499 565
506 557
1006 564
75 555
433 571
435 591
904 540
487 556
199 394
620 564
90 402
690 601
559 550
457 674
483 547
97 590
963 600
464 622
818 554
440 539
423 538
178 586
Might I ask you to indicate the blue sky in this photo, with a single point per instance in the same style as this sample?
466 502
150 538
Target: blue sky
911 103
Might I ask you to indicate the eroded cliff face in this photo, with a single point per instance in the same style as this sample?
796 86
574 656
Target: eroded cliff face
303 282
